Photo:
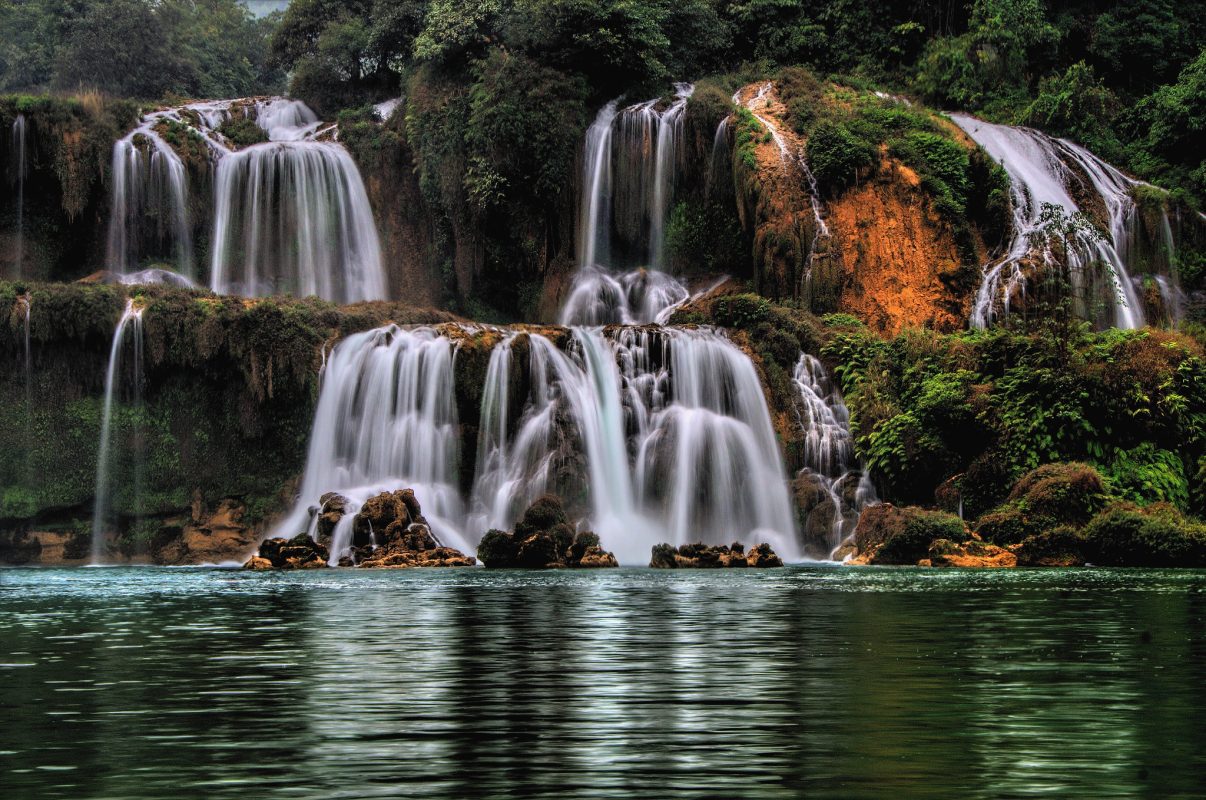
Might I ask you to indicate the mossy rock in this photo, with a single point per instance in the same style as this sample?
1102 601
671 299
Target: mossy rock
1158 536
903 535
1063 546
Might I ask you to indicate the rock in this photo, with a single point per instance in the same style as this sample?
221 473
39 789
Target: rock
890 535
972 553
544 538
702 556
331 508
663 557
1060 547
390 532
385 518
497 549
762 556
596 558
815 510
300 552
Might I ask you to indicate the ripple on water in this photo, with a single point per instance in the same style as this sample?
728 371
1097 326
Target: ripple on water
824 681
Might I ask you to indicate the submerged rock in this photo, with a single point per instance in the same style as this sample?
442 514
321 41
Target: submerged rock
544 539
702 556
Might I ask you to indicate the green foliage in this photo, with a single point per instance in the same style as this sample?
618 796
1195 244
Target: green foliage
943 166
992 405
1147 474
136 48
837 156
921 528
518 156
1079 106
1157 537
243 131
1167 128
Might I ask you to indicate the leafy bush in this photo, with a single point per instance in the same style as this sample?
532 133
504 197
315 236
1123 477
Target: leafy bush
912 543
836 156
1157 537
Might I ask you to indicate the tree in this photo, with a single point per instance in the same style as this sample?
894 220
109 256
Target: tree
121 47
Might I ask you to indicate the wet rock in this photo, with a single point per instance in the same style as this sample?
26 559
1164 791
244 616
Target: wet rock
300 552
815 511
889 535
1062 546
702 556
390 532
543 539
331 509
972 553
761 556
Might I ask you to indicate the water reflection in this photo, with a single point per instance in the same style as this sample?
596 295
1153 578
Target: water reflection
628 684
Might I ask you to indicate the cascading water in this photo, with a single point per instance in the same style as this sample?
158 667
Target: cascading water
842 489
1041 169
629 167
292 216
150 184
386 419
20 171
652 435
131 319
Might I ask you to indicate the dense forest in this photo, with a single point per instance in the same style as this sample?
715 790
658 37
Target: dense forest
1126 79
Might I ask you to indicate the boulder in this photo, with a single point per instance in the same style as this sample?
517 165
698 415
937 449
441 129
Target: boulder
331 509
890 535
972 553
702 556
390 532
300 552
1063 546
815 512
544 538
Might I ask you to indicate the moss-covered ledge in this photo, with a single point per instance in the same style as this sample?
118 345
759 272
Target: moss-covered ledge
227 397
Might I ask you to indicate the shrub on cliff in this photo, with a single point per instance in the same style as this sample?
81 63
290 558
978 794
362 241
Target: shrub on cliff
837 156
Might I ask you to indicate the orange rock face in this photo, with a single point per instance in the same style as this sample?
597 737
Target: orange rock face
894 252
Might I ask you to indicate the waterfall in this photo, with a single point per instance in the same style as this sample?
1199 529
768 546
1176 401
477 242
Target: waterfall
719 164
594 218
149 214
20 171
386 419
630 298
708 467
629 166
650 435
1041 170
829 459
293 217
131 318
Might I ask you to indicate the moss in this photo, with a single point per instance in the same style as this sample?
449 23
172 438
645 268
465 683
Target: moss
242 131
1159 536
910 541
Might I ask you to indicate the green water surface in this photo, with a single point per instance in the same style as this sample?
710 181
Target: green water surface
799 682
